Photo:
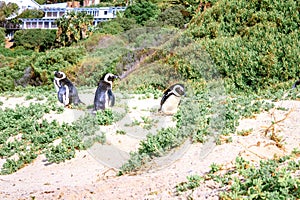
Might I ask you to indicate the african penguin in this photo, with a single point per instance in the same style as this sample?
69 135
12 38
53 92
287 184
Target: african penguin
296 84
171 99
66 91
104 96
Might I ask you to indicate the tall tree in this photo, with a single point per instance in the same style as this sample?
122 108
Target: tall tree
7 10
73 27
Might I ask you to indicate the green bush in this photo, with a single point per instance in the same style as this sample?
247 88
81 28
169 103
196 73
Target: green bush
43 65
102 59
111 27
271 180
142 11
172 16
35 39
105 117
73 27
255 44
32 13
30 135
10 54
117 25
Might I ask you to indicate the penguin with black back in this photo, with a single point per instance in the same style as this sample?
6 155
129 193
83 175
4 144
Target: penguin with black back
171 99
66 91
104 95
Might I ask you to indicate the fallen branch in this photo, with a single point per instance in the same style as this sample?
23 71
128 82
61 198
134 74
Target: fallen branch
272 126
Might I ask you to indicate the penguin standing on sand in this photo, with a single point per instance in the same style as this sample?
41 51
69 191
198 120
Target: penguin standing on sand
104 96
66 91
171 99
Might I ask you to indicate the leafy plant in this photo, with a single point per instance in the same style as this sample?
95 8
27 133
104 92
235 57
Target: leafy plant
271 179
105 117
35 39
24 134
232 32
193 182
142 11
73 27
274 178
121 132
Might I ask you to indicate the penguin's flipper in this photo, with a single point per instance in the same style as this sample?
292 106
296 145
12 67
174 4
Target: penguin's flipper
296 84
60 97
61 94
166 95
111 98
66 99
99 100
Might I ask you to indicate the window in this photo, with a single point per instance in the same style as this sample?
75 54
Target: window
105 12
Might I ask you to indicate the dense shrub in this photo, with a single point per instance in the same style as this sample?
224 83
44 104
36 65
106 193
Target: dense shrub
42 67
127 23
142 11
105 54
10 54
111 27
255 44
117 25
7 10
173 16
35 39
32 13
73 27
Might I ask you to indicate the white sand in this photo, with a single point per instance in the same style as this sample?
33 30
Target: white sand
87 177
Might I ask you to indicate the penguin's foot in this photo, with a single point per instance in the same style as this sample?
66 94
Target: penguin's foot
69 106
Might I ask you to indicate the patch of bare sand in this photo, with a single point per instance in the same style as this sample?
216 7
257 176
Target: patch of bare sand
85 178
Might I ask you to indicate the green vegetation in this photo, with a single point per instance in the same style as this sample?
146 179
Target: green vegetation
231 55
255 44
73 27
35 39
7 10
189 125
25 134
105 117
192 183
142 11
271 179
32 13
41 65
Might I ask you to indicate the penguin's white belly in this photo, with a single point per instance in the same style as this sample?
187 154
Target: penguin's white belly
170 106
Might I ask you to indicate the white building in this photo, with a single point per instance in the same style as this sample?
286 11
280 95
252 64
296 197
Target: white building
54 11
51 14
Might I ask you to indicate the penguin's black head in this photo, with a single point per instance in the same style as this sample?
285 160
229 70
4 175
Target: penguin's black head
59 75
109 77
178 89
